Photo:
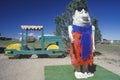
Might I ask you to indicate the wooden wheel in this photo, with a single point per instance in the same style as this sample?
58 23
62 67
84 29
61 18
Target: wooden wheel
52 47
13 46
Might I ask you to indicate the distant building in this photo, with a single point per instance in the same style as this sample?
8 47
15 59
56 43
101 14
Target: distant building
111 41
105 41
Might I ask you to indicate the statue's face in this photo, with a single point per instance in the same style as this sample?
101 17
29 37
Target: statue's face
81 18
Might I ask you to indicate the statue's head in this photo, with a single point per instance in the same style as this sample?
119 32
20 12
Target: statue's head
81 18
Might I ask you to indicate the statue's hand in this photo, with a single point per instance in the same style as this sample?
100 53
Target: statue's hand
93 48
72 40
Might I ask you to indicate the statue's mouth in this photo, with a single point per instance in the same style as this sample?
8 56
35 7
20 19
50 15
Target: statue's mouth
85 18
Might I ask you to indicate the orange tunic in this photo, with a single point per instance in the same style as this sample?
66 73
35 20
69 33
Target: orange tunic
75 51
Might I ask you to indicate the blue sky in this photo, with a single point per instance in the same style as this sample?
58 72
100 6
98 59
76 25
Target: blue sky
14 13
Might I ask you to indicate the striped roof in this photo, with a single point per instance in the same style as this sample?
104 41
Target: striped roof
31 27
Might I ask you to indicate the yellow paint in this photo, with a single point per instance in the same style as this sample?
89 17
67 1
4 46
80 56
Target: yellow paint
52 46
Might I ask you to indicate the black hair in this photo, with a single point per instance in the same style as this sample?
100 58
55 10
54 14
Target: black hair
80 8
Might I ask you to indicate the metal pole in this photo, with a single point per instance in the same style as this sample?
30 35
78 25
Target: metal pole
42 39
26 37
22 42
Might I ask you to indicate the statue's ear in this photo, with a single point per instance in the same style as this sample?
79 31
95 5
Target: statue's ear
76 12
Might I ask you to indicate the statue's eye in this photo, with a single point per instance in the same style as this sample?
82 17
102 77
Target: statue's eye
81 12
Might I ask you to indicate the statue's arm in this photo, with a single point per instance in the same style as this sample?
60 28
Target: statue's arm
93 36
70 33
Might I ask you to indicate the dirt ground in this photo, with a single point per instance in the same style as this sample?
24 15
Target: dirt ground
27 69
33 68
109 61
